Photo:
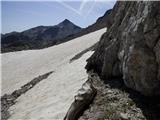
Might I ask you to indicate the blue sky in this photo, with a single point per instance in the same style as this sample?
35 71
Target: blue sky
22 15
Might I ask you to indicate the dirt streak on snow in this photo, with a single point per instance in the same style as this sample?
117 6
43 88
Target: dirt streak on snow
50 98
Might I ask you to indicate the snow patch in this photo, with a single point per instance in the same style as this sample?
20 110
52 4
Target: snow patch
18 68
51 98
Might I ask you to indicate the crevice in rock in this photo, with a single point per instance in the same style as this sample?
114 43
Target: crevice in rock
7 100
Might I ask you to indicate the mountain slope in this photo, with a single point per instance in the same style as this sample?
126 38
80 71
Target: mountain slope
50 98
38 37
46 36
99 24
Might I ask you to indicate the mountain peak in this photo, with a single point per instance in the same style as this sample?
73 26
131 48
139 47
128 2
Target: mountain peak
65 22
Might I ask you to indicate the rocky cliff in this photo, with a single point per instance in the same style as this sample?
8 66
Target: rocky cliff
131 46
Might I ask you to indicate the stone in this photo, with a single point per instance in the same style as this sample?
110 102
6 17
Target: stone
140 70
82 100
123 116
130 48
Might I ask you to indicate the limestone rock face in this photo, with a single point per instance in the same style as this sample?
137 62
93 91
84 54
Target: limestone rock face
131 46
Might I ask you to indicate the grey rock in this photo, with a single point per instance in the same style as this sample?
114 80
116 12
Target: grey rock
131 46
123 116
110 65
157 53
82 100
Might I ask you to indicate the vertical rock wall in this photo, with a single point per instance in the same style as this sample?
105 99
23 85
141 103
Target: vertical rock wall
131 46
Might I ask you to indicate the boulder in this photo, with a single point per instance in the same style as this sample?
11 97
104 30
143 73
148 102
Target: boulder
82 100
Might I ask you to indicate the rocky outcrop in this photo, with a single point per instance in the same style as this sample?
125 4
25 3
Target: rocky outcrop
82 100
114 101
131 46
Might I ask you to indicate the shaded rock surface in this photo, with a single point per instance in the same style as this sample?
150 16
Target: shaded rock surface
131 46
114 101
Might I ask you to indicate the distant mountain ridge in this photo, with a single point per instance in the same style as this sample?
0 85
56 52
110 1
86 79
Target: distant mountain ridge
46 36
38 37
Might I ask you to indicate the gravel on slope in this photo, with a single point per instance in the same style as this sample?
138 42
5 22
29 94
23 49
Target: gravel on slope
116 102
